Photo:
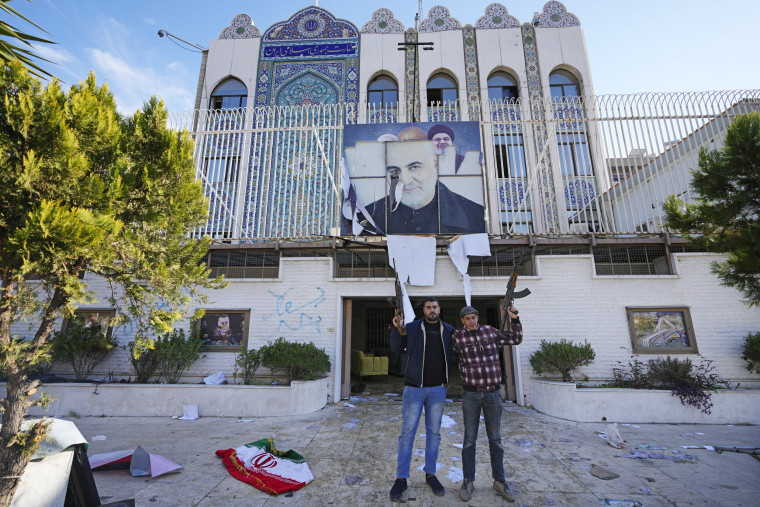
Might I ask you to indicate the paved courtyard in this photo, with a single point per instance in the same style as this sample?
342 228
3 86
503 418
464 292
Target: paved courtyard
351 451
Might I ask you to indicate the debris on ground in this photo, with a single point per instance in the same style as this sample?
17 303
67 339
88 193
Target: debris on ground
603 473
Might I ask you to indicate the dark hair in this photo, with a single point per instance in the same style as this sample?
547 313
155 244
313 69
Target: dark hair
432 299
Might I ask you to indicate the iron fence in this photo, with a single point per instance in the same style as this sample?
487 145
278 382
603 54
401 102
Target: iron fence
602 164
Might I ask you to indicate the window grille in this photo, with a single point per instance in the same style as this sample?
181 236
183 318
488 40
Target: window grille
631 260
502 262
687 248
244 263
362 263
377 322
303 252
562 250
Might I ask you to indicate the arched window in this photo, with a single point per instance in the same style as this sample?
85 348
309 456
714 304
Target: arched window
563 84
230 94
382 92
441 89
502 86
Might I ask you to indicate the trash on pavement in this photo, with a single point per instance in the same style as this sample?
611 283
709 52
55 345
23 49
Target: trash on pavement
190 413
215 379
145 463
603 473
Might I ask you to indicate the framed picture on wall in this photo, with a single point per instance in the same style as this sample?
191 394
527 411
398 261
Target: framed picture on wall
224 330
661 330
92 317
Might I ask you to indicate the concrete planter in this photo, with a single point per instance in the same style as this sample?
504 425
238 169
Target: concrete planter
565 400
167 399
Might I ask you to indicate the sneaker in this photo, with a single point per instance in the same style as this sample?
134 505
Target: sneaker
435 484
465 492
398 487
504 489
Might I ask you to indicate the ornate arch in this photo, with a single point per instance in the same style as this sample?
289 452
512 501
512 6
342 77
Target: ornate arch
383 21
555 15
311 23
439 20
306 89
241 27
497 16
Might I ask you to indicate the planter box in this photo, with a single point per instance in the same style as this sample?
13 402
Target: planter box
165 400
566 401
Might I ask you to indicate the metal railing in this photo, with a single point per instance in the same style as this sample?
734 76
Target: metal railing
600 164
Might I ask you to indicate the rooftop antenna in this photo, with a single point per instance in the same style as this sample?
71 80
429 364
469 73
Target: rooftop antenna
427 46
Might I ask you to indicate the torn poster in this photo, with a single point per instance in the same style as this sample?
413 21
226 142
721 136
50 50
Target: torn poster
414 258
351 205
138 461
262 466
462 246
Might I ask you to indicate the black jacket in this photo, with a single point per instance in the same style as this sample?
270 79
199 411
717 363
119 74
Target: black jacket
414 343
457 214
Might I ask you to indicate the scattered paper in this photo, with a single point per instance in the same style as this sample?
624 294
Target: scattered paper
459 446
215 379
349 405
190 412
97 438
422 435
419 452
455 474
139 462
438 466
349 425
447 422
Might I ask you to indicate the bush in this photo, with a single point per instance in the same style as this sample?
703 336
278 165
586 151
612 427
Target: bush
692 385
144 358
177 353
562 356
299 361
751 352
247 363
83 347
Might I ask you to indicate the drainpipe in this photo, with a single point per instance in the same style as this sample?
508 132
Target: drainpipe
199 90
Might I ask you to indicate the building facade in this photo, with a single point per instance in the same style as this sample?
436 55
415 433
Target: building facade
570 181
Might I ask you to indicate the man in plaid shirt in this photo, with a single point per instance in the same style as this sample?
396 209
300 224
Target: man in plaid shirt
477 348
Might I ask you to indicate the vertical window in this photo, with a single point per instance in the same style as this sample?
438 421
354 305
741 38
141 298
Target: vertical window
441 89
502 86
510 155
563 85
574 155
230 94
382 92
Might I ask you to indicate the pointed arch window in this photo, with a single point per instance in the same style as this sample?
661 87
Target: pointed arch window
382 91
441 90
229 94
502 86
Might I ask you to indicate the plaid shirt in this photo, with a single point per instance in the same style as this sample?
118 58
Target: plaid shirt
478 354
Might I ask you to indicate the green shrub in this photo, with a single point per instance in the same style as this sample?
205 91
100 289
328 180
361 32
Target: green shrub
144 358
177 352
562 356
751 352
667 372
83 347
299 361
692 384
246 364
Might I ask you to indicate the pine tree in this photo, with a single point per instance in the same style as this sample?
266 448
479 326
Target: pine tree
726 215
84 190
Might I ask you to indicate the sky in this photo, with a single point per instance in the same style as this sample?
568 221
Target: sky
633 46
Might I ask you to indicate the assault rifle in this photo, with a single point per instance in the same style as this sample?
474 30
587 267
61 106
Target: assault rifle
511 295
397 301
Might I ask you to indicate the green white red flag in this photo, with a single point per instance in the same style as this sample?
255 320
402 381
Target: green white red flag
264 467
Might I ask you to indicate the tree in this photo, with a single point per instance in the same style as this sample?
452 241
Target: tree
726 214
10 35
83 189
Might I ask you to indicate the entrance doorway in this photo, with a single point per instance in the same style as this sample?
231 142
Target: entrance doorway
367 326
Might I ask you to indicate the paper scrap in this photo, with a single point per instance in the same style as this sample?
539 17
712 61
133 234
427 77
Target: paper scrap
190 412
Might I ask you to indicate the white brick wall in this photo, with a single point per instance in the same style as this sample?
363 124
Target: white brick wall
568 301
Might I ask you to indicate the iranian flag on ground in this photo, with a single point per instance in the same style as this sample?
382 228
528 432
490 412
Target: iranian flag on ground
264 467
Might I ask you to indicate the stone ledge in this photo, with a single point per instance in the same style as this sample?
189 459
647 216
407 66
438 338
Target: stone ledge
566 401
148 400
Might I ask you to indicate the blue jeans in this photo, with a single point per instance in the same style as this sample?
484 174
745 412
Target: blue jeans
472 402
433 399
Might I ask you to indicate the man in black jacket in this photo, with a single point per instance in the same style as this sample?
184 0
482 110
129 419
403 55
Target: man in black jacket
427 343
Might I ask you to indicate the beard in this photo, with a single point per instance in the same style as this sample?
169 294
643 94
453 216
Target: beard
416 195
